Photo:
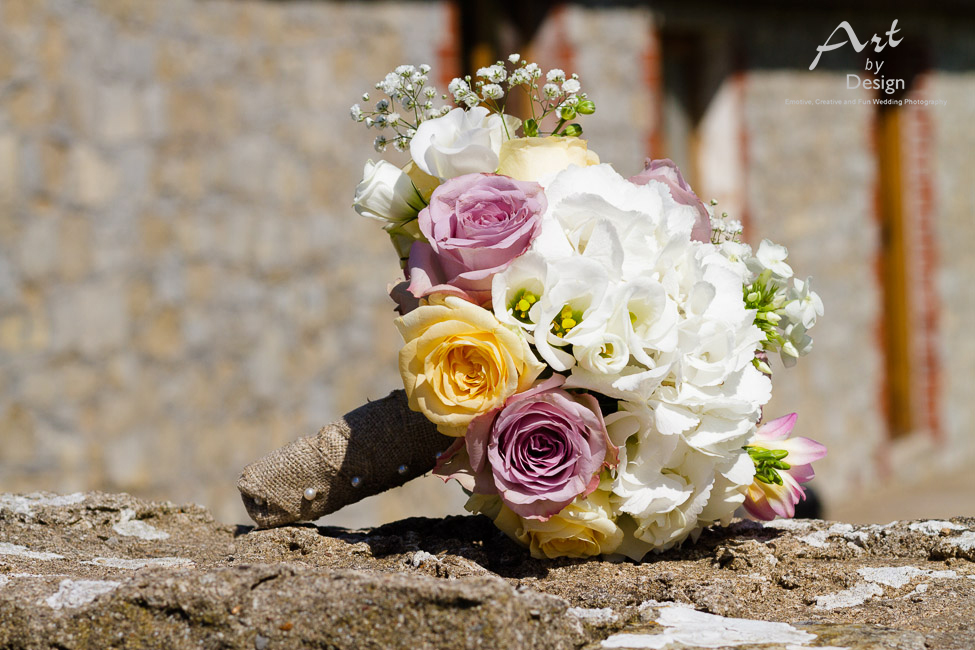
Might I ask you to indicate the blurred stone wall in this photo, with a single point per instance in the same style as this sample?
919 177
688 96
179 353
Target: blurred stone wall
183 283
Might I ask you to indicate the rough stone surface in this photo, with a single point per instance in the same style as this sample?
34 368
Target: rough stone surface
69 579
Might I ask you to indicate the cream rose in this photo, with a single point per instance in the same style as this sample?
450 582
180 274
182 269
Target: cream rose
533 159
459 362
583 528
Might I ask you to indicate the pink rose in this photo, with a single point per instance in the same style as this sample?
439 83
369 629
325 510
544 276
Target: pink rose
475 226
665 171
539 452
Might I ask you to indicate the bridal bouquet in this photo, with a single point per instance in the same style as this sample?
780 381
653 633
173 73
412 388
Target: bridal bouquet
597 345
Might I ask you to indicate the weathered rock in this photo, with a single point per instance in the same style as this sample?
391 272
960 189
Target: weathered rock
111 571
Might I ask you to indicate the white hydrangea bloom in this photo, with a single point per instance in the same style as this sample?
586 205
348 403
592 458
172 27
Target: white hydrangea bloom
731 482
665 490
681 493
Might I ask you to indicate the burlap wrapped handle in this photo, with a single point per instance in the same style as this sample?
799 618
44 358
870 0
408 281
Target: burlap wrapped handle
376 447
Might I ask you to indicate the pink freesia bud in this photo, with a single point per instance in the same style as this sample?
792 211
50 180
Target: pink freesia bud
666 172
790 459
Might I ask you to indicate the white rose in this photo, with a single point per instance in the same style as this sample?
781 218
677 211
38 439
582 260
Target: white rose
461 142
387 193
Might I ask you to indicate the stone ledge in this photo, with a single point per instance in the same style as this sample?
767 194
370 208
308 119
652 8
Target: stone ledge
112 571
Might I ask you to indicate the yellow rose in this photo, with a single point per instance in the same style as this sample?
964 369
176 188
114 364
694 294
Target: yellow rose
459 362
584 528
531 159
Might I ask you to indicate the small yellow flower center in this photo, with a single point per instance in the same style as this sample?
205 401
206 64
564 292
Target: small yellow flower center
522 304
566 320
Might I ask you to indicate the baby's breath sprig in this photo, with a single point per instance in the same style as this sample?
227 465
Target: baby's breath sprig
406 89
560 95
724 228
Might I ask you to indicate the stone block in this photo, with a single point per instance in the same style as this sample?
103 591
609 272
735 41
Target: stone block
156 235
17 428
54 161
38 325
9 170
9 281
37 252
180 174
200 281
8 60
12 332
154 104
79 381
289 182
168 279
128 462
74 248
95 180
120 113
53 49
91 318
162 337
187 112
29 105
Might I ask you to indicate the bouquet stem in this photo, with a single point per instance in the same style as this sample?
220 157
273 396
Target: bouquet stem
376 447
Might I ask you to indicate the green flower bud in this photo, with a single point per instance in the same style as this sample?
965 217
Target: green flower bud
573 130
586 107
